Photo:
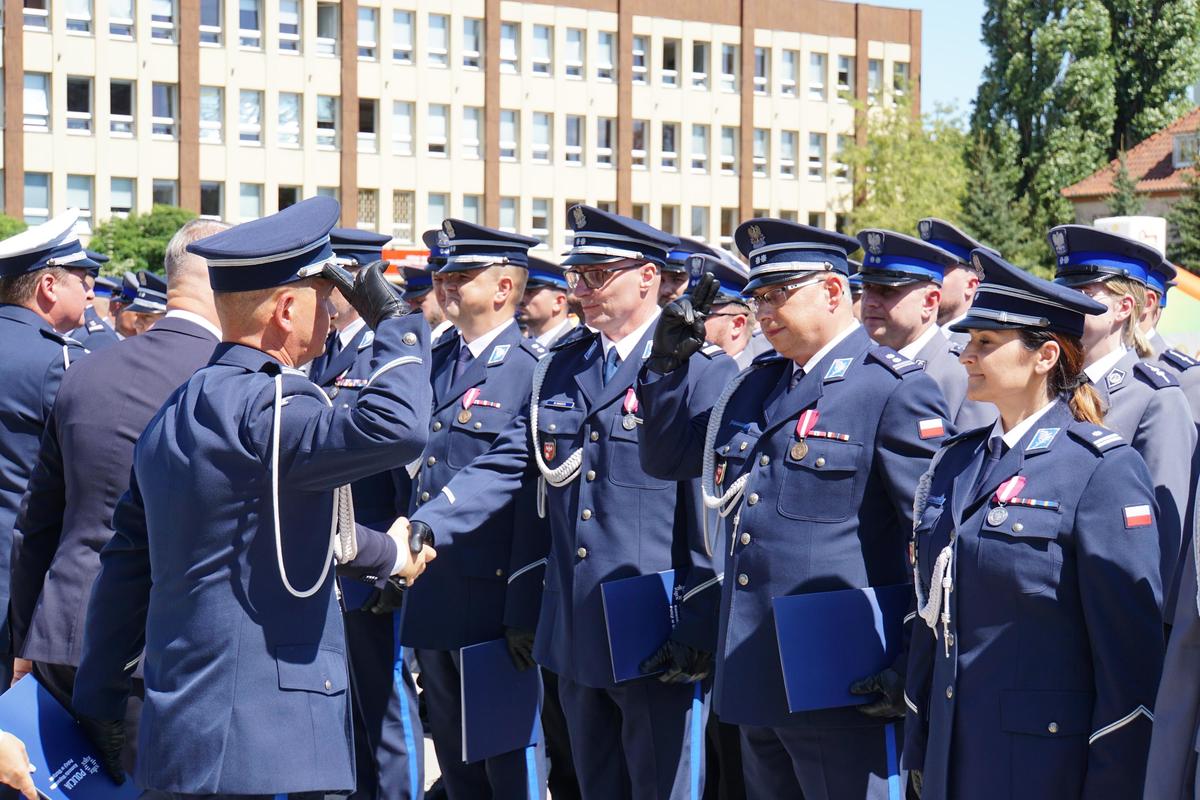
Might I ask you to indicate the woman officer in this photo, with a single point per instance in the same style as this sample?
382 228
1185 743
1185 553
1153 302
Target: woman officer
1037 648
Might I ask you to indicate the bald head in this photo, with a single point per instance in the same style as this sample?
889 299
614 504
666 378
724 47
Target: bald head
188 288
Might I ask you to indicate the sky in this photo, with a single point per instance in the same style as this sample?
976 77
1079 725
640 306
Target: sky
952 55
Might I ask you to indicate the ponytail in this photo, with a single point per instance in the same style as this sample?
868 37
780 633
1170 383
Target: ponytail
1067 379
1132 335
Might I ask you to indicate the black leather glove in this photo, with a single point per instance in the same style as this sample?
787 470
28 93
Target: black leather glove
388 599
918 781
419 534
682 663
890 684
108 737
680 329
520 647
368 292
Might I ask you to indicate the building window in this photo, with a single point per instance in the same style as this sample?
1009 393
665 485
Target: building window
670 145
789 61
575 53
788 143
729 68
472 208
700 148
510 135
327 28
120 19
327 119
670 62
841 170
510 47
606 136
574 140
162 20
404 205
288 130
37 15
402 128
638 151
163 110
540 221
79 16
900 77
543 137
402 37
816 219
700 65
472 132
817 67
437 208
762 70
79 104
210 22
120 108
121 196
249 24
79 195
508 214
845 78
250 197
287 196
164 192
368 32
289 26
641 46
250 117
729 150
788 216
606 55
669 219
438 50
368 125
212 199
729 224
816 156
641 212
37 197
762 151
700 223
36 99
473 42
874 79
543 50
437 129
368 209
327 191
210 114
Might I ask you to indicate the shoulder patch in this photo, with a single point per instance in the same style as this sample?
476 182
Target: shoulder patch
712 350
1179 360
57 338
1098 438
1154 375
896 363
367 340
94 326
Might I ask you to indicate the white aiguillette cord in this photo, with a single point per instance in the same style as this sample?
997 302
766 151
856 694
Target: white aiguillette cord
727 501
565 472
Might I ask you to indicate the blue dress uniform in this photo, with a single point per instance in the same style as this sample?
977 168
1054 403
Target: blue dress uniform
33 358
608 520
893 259
1037 650
1141 400
245 669
953 240
833 514
95 333
492 576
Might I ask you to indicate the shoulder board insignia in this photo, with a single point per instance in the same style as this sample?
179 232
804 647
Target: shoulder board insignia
967 434
533 347
95 326
895 362
1042 439
646 350
1114 378
1179 360
837 370
1154 375
1096 437
956 348
57 338
766 357
367 339
711 350
498 353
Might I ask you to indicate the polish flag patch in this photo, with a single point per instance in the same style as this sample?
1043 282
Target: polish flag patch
1137 516
931 428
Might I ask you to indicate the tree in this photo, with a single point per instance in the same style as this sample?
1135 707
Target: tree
138 241
1125 202
992 212
1184 218
910 167
10 226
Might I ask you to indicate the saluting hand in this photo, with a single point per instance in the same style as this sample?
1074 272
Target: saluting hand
368 292
680 329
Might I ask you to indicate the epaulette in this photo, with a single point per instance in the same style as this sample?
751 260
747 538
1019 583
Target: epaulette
898 364
1097 437
712 350
766 357
94 326
956 348
1154 375
445 337
533 347
577 335
59 338
1179 360
967 434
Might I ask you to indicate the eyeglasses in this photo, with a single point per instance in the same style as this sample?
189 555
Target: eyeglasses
778 295
596 278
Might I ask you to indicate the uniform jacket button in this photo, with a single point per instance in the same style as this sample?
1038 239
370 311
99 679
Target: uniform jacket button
595 436
743 579
431 461
949 692
478 426
424 497
1018 527
552 426
590 475
765 460
437 426
409 339
821 461
329 683
1052 727
581 552
587 514
753 498
745 538
499 573
743 445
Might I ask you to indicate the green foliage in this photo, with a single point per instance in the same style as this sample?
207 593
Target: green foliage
10 226
910 167
138 241
1184 219
1125 202
993 213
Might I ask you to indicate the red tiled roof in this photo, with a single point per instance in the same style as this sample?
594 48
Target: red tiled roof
1150 162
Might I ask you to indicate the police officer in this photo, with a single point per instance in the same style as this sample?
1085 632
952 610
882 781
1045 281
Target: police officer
95 333
425 290
1038 645
352 248
856 287
903 278
1141 401
544 311
961 280
729 324
123 323
1160 281
149 301
242 635
43 293
821 443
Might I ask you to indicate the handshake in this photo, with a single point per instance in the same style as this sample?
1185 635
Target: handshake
414 549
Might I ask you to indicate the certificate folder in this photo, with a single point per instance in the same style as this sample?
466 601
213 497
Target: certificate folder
829 640
638 614
67 765
501 704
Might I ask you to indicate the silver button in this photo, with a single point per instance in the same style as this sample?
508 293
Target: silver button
764 460
587 514
431 460
743 445
949 692
595 436
949 640
437 426
553 427
1018 527
590 475
499 573
1052 727
753 498
581 552
478 425
820 461
745 538
424 496
409 339
743 579
329 683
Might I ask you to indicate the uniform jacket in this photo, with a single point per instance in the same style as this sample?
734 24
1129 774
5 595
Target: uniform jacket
464 602
613 520
836 518
33 359
234 661
95 334
940 357
1045 686
82 470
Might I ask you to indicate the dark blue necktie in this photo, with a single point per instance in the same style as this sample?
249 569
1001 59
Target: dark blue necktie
995 452
463 360
612 362
797 374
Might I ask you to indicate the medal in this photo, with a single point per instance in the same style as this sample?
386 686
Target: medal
799 450
997 516
804 426
464 416
1006 492
629 422
468 399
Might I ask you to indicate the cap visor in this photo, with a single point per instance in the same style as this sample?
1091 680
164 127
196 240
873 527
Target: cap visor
890 279
589 259
969 323
1077 279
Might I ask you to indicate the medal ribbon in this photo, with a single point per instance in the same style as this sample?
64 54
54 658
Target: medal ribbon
807 421
631 401
1010 489
470 396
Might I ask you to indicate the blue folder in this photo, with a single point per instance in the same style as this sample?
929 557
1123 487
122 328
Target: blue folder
67 765
829 640
639 615
501 705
